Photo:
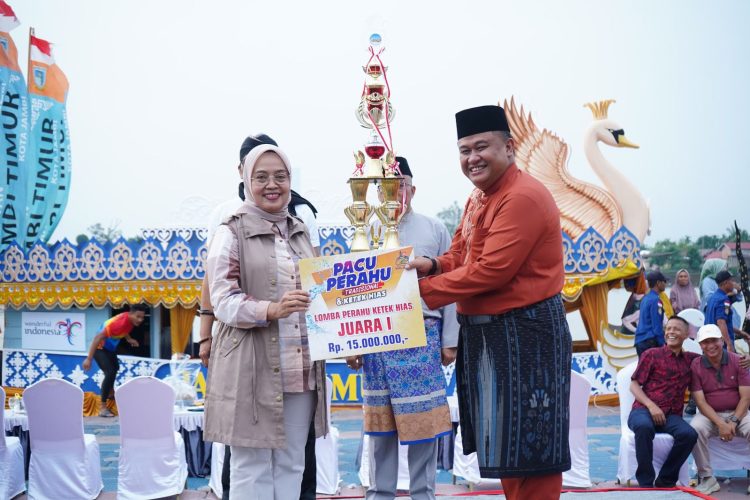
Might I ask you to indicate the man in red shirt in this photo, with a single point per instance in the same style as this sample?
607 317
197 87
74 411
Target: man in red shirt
659 385
504 270
721 388
104 349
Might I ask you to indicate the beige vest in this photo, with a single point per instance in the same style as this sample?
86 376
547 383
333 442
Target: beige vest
244 396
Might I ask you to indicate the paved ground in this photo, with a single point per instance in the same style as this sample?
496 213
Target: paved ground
603 431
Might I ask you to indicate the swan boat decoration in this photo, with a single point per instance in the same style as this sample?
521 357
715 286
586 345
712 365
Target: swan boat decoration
584 205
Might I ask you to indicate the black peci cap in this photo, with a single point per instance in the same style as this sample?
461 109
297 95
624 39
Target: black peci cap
481 119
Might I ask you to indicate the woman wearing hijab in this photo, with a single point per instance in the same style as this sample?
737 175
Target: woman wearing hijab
683 295
708 279
263 390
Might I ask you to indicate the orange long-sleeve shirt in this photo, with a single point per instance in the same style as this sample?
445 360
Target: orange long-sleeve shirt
516 254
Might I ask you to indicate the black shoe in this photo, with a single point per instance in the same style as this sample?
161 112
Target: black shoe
659 483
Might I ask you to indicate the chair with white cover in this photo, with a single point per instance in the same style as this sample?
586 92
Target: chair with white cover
12 482
627 463
152 455
327 452
64 461
578 476
403 481
466 466
217 467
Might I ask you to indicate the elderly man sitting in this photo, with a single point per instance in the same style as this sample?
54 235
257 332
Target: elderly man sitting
721 388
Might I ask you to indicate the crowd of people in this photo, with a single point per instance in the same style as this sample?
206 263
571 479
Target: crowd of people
491 302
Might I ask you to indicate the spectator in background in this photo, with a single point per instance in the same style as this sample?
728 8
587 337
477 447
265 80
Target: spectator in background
104 349
708 279
721 385
683 295
650 331
719 309
659 385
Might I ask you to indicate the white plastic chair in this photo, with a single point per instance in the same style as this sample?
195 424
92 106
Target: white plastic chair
327 453
12 482
578 476
627 463
152 455
64 461
693 316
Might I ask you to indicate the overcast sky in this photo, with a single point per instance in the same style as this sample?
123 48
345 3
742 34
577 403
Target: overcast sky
163 92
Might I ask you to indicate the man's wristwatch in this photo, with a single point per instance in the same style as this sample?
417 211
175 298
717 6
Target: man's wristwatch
433 268
732 418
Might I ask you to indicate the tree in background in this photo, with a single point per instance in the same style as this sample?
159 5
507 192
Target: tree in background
451 216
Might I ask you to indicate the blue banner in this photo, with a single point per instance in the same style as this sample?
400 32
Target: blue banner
48 158
14 116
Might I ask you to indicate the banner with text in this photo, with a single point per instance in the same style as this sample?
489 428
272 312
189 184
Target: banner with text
14 118
362 302
53 331
49 144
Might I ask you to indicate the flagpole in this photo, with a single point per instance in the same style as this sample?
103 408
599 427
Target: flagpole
29 74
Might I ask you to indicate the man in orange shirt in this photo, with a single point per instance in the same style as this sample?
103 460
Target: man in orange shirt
104 349
504 270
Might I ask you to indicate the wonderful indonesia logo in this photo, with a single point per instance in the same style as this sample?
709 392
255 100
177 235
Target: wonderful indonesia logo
66 328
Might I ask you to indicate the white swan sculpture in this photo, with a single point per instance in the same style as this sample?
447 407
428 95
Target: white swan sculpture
582 205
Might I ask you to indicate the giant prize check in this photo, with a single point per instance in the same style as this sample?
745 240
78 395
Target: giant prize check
362 302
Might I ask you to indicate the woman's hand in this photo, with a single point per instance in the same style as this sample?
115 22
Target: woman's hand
86 364
291 302
205 351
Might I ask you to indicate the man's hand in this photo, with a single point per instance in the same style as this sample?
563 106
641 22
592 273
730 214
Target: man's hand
657 415
354 362
86 364
132 342
205 351
448 355
421 264
727 430
291 302
745 362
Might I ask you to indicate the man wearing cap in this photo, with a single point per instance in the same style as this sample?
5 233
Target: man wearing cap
504 271
404 391
658 384
650 330
303 209
721 388
719 310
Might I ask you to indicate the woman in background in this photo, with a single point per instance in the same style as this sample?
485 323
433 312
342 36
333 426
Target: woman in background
683 295
708 279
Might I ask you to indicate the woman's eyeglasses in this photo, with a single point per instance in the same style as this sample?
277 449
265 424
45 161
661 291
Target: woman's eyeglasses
263 179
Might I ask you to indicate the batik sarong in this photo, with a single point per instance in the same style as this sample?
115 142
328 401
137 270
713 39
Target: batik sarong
404 391
513 382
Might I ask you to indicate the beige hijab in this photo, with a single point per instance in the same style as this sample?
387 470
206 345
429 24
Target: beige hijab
248 167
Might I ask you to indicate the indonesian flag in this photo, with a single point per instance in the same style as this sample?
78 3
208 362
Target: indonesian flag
8 19
45 77
8 51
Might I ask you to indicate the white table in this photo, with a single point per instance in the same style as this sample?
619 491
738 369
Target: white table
14 419
188 420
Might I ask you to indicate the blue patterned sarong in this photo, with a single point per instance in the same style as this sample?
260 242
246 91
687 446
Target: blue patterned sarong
404 391
513 382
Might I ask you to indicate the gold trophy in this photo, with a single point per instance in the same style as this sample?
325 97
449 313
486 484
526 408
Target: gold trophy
378 162
359 213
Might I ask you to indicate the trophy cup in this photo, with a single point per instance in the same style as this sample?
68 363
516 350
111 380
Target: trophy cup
377 164
359 213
